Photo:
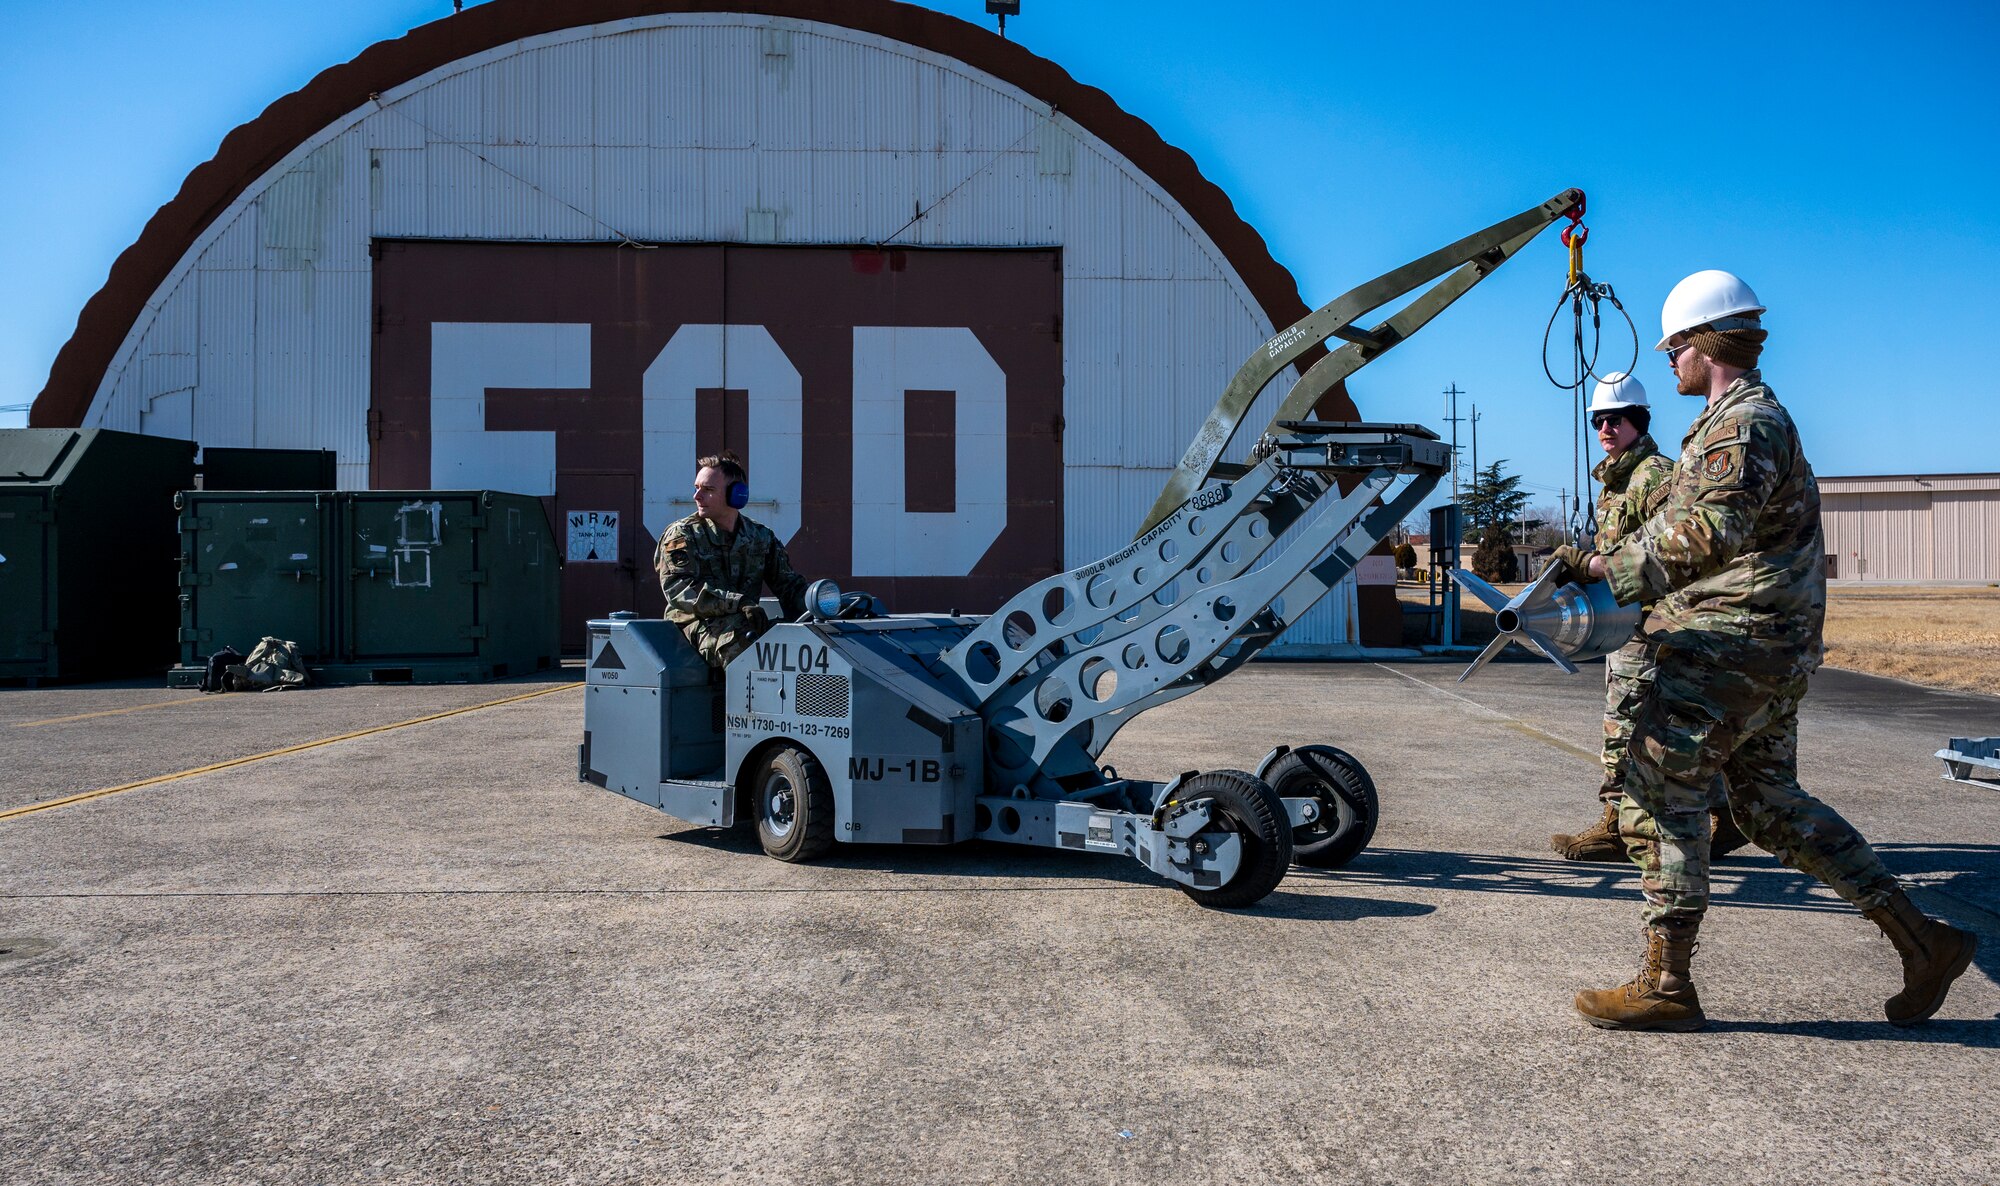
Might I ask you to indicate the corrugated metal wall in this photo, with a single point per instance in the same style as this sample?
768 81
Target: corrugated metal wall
1965 535
703 128
1917 528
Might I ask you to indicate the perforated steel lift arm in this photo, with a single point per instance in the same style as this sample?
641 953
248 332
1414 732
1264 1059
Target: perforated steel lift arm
1236 523
1468 261
1096 676
1296 598
1112 594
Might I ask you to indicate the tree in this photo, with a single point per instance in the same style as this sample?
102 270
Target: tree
1494 558
1490 509
1544 526
1492 504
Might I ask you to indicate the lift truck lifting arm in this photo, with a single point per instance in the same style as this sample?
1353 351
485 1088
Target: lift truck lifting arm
923 728
1462 265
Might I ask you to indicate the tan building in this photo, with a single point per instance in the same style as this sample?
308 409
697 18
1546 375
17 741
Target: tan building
1912 527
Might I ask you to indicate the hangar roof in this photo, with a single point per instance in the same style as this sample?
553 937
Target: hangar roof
1907 483
253 148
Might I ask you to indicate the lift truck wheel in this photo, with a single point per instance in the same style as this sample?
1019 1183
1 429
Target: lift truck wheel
1246 805
1347 803
793 805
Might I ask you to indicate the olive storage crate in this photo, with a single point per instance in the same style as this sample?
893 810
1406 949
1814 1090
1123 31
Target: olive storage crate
87 551
376 586
255 563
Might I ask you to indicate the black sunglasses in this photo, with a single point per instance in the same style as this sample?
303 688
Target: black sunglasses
1604 418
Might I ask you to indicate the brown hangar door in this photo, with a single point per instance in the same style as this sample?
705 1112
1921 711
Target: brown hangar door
900 411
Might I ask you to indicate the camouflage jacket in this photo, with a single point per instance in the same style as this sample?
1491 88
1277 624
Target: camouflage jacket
1636 485
705 573
1736 559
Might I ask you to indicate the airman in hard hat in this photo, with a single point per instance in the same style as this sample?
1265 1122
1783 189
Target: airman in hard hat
1632 485
1735 567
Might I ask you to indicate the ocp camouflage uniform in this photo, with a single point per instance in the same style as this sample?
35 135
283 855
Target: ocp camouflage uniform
1736 564
1635 486
710 577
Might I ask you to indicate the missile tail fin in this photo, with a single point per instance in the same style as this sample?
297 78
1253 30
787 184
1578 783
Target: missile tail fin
1547 646
1493 648
1494 598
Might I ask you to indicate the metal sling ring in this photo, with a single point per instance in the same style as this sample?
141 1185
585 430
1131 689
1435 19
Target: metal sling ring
1574 295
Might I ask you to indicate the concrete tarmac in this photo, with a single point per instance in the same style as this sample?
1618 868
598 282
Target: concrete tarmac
429 955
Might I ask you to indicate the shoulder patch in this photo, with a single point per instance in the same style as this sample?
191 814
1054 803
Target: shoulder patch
1721 467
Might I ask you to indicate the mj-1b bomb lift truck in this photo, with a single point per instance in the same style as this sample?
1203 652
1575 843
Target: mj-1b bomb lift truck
860 726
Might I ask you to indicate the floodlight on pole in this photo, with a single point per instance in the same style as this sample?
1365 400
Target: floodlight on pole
1003 9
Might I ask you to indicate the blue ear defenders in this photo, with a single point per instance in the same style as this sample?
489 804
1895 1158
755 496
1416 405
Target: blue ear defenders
739 495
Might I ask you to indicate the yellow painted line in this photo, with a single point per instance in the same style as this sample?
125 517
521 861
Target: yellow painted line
112 712
11 812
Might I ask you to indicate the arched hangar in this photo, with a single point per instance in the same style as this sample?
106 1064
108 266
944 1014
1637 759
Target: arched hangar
960 312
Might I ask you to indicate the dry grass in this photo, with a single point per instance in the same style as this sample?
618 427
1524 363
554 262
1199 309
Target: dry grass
1941 636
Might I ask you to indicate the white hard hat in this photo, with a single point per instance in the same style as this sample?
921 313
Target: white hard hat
1617 390
1720 299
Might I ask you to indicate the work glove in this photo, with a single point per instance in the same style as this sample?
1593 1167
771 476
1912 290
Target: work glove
1577 562
755 620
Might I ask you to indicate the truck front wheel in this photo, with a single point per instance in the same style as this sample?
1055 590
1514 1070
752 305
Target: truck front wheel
793 802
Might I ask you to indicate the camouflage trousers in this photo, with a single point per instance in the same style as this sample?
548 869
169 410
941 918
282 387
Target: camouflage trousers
718 639
1699 725
1628 676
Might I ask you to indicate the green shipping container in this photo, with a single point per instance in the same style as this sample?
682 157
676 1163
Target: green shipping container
87 551
252 564
423 586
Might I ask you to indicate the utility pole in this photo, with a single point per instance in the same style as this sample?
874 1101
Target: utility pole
1475 442
1447 595
1451 394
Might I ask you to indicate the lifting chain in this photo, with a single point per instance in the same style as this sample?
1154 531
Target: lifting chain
1577 292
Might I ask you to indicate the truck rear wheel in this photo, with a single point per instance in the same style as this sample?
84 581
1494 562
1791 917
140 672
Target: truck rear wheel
1347 803
793 803
1247 806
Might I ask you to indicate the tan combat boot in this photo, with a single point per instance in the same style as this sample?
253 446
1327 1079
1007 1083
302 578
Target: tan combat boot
1725 837
1600 843
1660 997
1934 954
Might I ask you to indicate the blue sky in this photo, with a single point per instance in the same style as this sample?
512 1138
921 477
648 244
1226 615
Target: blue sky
1841 157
